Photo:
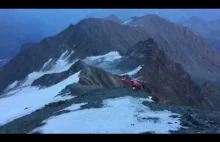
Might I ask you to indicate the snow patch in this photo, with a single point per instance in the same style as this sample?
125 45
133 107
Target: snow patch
127 22
134 71
29 99
109 57
105 62
149 99
120 115
74 107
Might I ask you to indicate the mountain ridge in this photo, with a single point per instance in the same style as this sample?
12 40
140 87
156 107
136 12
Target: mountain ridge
113 18
86 38
167 81
183 46
207 29
96 36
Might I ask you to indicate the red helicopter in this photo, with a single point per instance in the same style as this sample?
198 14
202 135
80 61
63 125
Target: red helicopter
134 84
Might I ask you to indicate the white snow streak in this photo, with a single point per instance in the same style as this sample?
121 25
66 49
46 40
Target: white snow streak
47 63
127 22
109 57
12 85
120 115
134 71
62 63
32 98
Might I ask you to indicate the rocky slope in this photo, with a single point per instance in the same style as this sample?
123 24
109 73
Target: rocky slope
88 37
98 77
166 80
210 96
182 46
207 29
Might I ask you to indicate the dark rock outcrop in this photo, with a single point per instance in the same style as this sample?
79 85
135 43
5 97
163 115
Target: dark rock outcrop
48 80
210 96
98 77
77 89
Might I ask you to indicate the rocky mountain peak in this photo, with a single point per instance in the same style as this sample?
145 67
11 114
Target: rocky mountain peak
145 49
113 18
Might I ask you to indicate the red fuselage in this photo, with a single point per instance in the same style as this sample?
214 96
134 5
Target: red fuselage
132 83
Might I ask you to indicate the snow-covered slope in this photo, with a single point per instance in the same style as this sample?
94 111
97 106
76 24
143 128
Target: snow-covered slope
29 99
61 64
20 95
120 115
105 62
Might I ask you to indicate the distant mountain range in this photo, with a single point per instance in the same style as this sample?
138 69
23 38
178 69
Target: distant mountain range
207 29
173 15
25 26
